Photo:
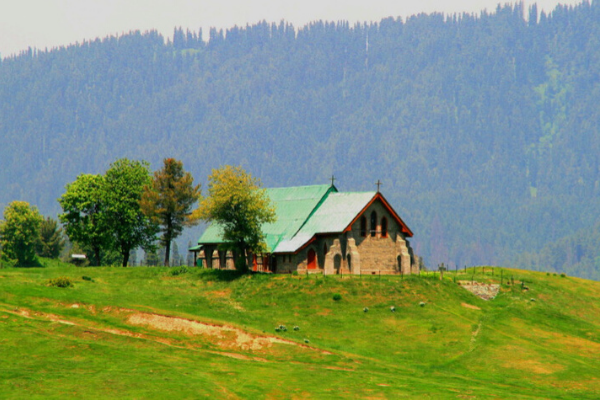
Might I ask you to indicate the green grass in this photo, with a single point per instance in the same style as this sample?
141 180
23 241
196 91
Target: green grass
456 346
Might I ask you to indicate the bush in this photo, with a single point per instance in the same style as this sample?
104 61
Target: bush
562 275
87 278
422 304
179 271
296 328
393 309
366 309
337 297
62 282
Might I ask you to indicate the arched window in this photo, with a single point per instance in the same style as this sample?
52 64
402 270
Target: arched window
384 227
312 260
373 223
363 226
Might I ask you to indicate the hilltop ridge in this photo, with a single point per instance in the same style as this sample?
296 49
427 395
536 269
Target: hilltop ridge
139 332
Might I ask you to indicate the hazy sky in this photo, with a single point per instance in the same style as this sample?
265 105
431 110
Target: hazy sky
51 23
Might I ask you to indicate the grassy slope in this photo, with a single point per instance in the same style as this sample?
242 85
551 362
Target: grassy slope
510 347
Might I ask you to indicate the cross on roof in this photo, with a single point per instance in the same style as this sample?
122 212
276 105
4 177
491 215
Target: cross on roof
332 179
378 183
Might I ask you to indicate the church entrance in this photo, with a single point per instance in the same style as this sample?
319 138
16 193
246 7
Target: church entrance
312 260
337 263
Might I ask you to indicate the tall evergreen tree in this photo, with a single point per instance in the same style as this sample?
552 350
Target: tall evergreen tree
168 201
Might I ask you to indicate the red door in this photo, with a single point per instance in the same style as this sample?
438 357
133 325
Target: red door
312 259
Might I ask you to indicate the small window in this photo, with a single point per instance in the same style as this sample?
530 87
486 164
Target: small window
363 226
373 223
384 227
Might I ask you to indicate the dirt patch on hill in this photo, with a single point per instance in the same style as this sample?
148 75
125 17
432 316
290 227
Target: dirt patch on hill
226 336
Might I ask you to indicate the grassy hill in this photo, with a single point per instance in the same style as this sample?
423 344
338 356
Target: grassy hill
147 333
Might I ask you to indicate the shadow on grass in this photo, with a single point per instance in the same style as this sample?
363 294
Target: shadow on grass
221 275
25 264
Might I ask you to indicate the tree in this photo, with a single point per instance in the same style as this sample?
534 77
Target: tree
51 240
83 214
238 204
168 201
129 228
19 232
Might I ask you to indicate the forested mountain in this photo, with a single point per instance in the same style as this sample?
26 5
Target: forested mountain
484 129
576 254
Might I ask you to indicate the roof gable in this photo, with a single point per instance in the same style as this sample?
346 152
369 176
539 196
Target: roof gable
388 207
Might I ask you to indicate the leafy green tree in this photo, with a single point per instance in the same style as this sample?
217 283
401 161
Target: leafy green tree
83 214
19 232
129 228
51 241
168 202
237 202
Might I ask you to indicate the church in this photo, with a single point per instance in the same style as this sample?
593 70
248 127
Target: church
321 230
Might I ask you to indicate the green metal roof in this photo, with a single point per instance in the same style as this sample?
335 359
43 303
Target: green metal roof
333 216
293 207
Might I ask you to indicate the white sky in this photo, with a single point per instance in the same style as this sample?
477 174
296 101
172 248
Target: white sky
51 23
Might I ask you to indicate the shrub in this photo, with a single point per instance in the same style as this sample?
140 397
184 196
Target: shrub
562 275
179 271
306 341
337 297
422 304
87 278
61 281
393 309
296 328
281 328
366 309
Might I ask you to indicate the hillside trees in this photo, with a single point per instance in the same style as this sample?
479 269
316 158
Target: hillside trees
240 206
168 201
102 212
19 232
